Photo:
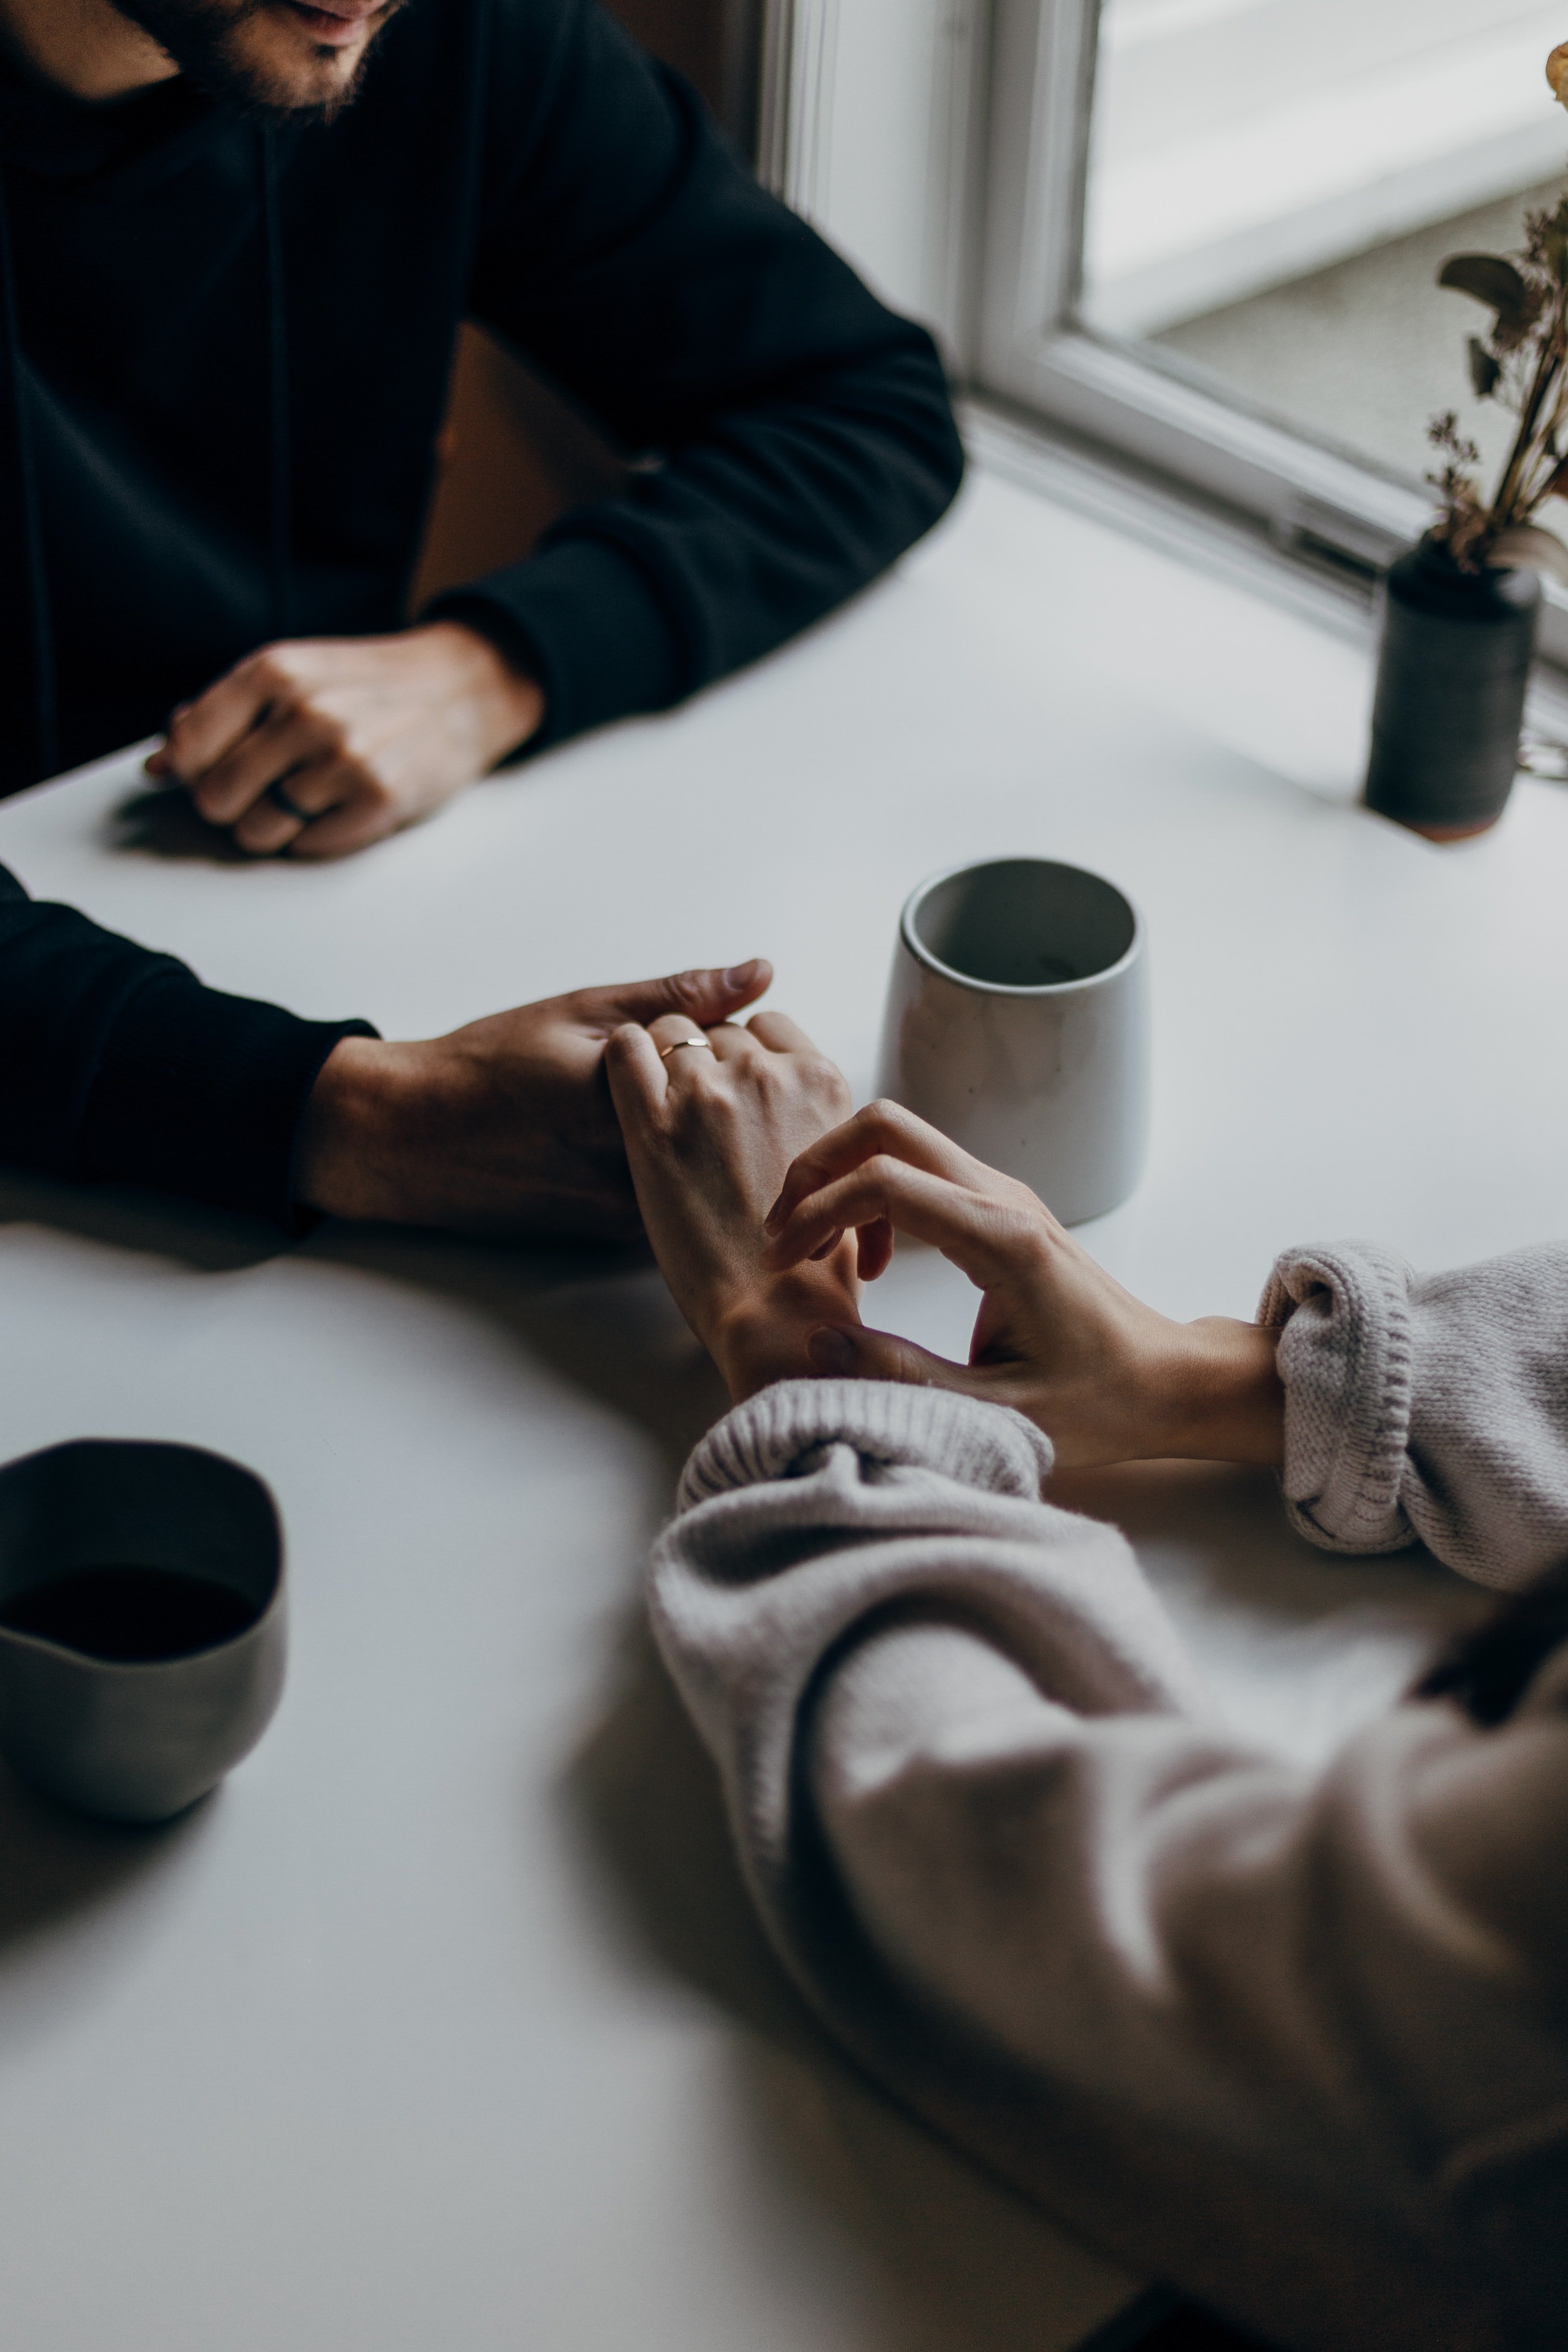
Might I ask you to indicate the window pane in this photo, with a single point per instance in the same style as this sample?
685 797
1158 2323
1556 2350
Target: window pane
1274 184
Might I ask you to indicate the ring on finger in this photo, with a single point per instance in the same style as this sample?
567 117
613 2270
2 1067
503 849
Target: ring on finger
680 1046
278 794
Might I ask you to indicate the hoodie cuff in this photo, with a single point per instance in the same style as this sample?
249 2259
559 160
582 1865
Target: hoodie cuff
587 623
777 1434
202 1093
1344 1315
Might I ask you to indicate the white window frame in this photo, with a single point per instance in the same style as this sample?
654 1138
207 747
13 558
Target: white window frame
1030 349
998 141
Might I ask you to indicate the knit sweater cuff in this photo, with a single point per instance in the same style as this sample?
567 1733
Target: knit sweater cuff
584 620
776 1433
1344 1358
204 1093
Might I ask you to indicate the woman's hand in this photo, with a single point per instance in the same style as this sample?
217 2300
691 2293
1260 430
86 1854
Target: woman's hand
1106 1378
711 1124
324 746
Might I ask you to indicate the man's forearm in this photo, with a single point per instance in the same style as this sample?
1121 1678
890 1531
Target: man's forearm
116 1065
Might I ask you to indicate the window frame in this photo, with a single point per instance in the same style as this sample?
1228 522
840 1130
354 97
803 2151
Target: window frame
1033 350
1003 151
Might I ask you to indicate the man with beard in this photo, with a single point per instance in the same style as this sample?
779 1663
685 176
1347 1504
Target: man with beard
237 239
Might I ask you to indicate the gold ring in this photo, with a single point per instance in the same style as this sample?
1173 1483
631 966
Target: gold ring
681 1042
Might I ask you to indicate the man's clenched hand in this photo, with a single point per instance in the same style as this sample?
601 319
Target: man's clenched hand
505 1128
324 746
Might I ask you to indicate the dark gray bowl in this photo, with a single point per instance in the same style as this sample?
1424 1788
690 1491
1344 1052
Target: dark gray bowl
139 1741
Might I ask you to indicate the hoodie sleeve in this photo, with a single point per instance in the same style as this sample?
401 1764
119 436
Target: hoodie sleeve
1426 1408
1295 2042
118 1067
794 436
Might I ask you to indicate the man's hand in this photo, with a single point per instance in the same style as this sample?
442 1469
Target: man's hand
327 745
504 1129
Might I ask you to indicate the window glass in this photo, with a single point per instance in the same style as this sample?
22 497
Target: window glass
1274 184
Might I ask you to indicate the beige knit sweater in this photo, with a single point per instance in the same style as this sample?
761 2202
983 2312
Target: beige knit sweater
1298 2045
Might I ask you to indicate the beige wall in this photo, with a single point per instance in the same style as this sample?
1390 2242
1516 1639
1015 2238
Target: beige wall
511 456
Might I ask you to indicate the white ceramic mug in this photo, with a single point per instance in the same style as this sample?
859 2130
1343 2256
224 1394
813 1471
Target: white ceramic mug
1018 1023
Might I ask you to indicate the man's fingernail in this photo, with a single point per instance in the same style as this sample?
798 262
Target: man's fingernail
741 975
832 1351
772 1222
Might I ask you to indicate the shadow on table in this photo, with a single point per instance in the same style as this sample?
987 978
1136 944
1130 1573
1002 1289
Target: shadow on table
151 1224
599 1318
57 1869
961 2265
1300 1646
162 820
1251 1556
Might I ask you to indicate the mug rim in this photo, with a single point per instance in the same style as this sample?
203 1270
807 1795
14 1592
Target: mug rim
922 954
273 1607
86 1660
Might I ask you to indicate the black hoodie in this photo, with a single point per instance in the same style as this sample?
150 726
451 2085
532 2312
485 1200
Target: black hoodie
224 350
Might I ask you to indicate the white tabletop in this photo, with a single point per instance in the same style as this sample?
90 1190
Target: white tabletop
445 2024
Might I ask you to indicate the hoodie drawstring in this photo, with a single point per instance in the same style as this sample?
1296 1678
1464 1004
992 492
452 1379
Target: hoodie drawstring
280 566
14 398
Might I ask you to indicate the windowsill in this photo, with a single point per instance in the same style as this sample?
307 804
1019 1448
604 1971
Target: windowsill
1337 600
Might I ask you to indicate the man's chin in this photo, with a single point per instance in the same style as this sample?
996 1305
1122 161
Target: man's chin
285 68
267 56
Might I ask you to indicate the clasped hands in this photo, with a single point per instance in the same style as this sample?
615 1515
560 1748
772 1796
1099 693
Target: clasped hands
767 1206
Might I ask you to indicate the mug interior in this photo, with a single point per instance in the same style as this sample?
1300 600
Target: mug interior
121 1508
1024 922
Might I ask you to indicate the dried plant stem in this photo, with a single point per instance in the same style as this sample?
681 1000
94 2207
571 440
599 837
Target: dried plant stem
1521 364
1510 507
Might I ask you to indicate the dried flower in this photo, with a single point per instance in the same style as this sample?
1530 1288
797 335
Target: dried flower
1523 363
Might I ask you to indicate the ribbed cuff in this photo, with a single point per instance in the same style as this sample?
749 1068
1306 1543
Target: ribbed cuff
771 1434
587 623
1346 1362
204 1093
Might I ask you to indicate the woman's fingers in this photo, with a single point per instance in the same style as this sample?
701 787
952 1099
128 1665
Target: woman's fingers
850 1352
985 1237
682 1046
731 1043
884 1129
638 1083
875 1246
780 1034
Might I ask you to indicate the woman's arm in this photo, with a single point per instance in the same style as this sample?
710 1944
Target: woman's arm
1298 2046
1397 1406
1426 1407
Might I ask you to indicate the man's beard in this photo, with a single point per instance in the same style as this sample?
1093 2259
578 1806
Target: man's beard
203 38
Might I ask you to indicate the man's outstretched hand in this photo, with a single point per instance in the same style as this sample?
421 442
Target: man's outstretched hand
505 1128
321 747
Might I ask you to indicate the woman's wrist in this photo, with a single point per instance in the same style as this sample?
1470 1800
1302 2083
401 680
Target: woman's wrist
761 1337
1221 1399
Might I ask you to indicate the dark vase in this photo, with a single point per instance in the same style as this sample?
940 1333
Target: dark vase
1457 650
